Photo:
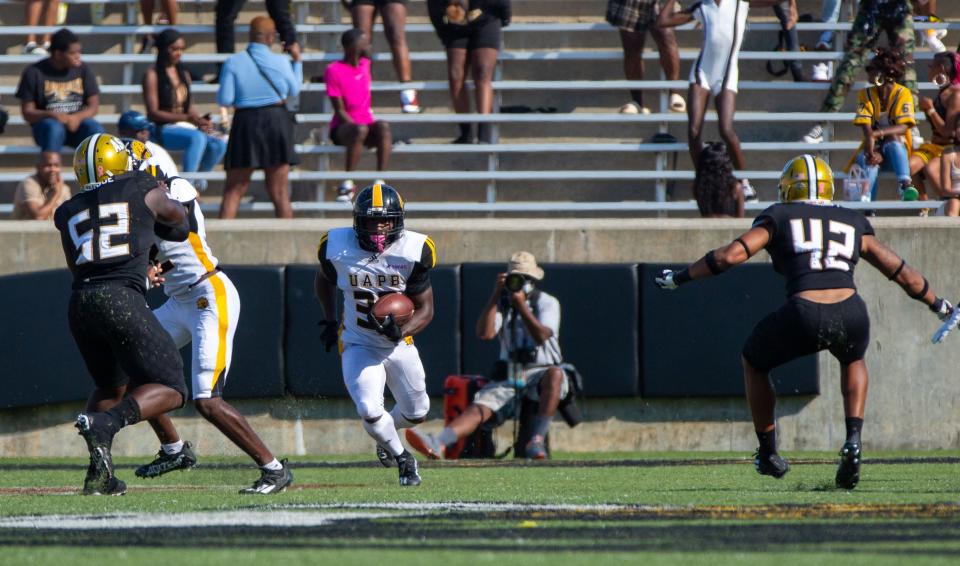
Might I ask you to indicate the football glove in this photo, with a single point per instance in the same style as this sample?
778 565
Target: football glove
329 335
389 328
942 308
665 280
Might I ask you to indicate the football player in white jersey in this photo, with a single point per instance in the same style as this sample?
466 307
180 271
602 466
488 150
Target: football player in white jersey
203 308
374 258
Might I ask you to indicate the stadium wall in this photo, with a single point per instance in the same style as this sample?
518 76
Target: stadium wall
913 383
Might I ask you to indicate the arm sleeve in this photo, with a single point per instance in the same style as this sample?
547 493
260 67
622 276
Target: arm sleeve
864 115
296 69
226 95
90 85
419 280
326 266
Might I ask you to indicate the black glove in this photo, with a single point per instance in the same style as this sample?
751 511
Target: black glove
389 328
329 336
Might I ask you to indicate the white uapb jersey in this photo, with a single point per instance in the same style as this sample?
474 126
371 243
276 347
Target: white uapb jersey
191 258
365 276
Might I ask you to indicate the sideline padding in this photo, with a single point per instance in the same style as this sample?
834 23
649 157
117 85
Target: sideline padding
691 338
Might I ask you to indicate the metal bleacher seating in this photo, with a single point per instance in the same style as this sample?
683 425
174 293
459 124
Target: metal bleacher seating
558 55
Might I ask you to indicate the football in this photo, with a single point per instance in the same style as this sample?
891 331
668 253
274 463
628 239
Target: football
397 304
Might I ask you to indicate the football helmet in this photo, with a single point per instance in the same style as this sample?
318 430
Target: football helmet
806 177
383 204
140 157
100 157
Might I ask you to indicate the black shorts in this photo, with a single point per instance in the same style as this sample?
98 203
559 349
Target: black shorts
260 138
121 340
802 327
484 32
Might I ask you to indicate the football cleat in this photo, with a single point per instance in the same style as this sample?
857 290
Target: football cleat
770 464
848 471
271 481
99 479
387 460
163 463
537 448
426 444
409 471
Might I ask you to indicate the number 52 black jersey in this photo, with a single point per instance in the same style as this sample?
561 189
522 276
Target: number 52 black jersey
814 246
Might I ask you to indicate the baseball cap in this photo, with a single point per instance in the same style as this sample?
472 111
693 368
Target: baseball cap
525 264
133 121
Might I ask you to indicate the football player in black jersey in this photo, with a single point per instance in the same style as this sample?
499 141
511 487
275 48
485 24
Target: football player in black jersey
815 245
106 231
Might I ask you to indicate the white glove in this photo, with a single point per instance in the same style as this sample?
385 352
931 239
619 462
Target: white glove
942 308
665 280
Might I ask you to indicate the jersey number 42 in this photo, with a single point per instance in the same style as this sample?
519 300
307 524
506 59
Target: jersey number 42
824 252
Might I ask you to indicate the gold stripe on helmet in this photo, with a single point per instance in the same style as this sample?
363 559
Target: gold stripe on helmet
377 196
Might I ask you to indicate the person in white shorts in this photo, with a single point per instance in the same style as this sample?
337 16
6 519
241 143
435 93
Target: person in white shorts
716 70
203 309
526 321
374 258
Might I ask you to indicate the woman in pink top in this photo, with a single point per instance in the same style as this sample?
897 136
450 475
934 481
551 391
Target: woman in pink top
353 125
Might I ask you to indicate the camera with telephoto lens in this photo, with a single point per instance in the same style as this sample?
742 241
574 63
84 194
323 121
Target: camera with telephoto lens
514 282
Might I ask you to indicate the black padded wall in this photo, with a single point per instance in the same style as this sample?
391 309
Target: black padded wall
691 337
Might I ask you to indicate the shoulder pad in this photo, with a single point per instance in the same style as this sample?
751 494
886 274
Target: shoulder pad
182 190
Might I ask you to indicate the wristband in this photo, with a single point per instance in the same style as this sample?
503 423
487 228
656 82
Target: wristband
745 247
937 305
923 292
682 277
903 263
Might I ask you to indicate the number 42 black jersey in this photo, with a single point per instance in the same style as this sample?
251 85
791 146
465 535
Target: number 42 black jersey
814 246
107 232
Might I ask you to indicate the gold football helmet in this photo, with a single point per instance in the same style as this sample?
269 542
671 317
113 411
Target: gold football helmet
100 157
806 177
140 157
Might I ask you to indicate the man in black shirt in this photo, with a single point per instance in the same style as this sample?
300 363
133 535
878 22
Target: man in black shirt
106 231
815 246
59 96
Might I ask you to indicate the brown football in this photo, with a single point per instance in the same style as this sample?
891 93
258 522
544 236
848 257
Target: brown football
397 304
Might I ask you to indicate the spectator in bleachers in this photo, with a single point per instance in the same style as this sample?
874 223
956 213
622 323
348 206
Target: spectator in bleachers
830 14
170 13
353 125
37 196
950 181
716 190
874 17
926 11
256 83
786 12
166 94
59 96
941 112
394 15
279 11
471 33
35 11
633 19
716 71
885 114
134 125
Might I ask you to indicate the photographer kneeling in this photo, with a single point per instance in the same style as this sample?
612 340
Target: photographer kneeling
527 322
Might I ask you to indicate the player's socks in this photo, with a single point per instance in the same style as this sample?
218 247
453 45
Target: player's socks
854 426
273 466
384 432
447 436
768 441
172 448
124 413
541 425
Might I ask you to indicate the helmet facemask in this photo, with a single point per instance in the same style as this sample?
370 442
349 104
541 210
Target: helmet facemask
376 232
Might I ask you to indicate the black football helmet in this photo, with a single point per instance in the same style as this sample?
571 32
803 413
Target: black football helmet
380 202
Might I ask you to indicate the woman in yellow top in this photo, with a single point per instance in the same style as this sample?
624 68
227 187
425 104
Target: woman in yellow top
885 113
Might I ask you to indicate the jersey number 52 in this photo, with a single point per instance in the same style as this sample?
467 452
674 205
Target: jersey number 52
824 252
103 232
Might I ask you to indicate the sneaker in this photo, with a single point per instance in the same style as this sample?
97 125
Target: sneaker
770 464
427 444
749 193
271 481
909 193
934 43
163 463
99 479
815 135
387 460
677 103
848 471
537 448
409 472
633 108
345 191
33 49
409 103
822 73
